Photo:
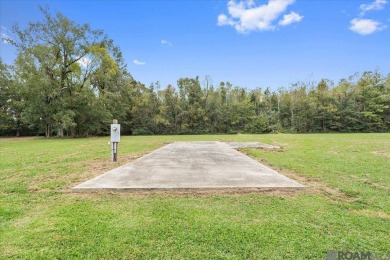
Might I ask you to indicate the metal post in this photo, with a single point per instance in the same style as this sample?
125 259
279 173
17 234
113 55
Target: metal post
115 139
114 151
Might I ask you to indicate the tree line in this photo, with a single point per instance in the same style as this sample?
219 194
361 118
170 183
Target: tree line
71 80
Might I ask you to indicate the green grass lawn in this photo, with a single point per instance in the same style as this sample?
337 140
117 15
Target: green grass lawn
345 206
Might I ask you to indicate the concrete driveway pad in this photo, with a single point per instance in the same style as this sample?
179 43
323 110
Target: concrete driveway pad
190 165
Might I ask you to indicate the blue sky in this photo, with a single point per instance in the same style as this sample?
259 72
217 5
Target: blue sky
249 43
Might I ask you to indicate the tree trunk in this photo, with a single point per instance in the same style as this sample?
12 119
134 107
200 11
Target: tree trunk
72 131
60 130
48 130
279 122
17 125
292 118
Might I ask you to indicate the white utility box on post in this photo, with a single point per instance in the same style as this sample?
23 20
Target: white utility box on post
115 133
115 139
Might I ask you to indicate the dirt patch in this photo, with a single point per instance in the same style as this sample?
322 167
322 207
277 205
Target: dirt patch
274 150
367 181
312 185
370 213
316 186
270 150
382 154
280 192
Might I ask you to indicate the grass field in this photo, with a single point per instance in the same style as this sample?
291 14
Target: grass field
345 207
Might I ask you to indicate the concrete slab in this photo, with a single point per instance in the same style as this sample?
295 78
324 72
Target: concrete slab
190 165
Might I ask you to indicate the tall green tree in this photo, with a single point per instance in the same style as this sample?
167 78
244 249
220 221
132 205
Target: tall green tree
373 101
7 98
61 62
192 115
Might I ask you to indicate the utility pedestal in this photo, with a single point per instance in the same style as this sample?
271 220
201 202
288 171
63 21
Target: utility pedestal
115 139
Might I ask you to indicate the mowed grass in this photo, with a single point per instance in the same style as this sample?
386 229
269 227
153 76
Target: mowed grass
345 206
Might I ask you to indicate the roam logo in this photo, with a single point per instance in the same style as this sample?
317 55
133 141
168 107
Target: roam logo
348 255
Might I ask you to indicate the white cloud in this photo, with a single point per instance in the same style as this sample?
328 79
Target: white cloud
366 26
165 42
290 18
376 5
84 61
224 20
245 16
137 62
